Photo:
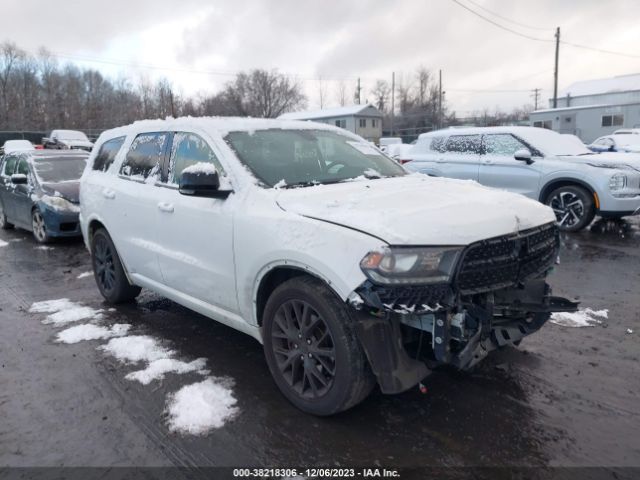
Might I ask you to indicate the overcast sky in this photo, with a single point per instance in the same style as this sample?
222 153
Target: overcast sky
338 39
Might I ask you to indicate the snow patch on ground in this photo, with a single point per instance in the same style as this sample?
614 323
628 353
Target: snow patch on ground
63 311
51 306
582 318
200 407
3 243
89 331
157 369
85 274
136 348
43 247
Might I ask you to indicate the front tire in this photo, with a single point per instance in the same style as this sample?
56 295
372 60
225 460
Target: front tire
574 207
108 270
38 227
312 350
4 224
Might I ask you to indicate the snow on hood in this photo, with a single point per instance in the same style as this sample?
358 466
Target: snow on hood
67 190
418 210
614 159
77 143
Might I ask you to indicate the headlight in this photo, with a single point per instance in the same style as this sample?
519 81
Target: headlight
411 265
617 182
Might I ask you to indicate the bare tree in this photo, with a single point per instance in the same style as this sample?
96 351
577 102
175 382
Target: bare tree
322 91
381 92
341 92
260 93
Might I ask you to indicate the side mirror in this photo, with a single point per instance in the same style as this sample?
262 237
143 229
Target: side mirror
201 183
523 155
612 148
19 179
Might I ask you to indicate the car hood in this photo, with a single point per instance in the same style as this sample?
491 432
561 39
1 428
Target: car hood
67 190
607 158
77 143
417 209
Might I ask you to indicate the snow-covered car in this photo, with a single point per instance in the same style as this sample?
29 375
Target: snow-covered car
39 192
348 269
398 151
385 142
538 163
11 146
67 139
628 143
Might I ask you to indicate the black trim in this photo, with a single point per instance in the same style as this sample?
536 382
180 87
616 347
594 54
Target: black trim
609 214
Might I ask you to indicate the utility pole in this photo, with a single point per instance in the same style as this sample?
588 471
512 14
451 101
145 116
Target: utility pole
555 72
393 95
358 92
440 100
536 97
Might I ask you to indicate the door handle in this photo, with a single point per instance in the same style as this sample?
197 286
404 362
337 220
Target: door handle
488 162
165 207
440 160
108 194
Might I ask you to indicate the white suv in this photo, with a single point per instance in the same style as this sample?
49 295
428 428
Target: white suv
349 270
544 165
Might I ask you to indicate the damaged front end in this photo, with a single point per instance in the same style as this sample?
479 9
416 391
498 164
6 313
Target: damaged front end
471 301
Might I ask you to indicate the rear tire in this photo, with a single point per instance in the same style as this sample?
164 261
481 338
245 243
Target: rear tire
311 348
4 224
574 207
108 270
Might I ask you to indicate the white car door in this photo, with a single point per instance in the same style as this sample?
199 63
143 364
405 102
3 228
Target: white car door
196 233
460 157
131 201
500 169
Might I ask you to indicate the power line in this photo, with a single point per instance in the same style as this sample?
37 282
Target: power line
507 19
610 52
486 19
524 35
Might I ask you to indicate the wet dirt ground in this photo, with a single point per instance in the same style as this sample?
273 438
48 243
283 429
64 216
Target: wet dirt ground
566 397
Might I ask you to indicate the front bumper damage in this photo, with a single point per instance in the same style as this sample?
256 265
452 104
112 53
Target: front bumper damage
498 297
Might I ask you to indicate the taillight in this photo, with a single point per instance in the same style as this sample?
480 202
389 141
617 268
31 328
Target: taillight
404 160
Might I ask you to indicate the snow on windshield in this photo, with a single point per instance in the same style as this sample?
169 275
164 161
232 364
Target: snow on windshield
59 169
306 157
553 143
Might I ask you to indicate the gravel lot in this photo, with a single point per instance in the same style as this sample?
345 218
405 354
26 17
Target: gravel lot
566 397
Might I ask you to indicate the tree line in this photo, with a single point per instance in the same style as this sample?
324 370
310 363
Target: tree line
38 93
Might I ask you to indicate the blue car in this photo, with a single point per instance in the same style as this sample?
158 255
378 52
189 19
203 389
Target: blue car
39 192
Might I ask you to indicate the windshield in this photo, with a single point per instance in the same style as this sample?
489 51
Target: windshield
306 157
553 143
71 135
59 169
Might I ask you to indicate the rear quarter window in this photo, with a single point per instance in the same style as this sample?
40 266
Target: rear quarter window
107 154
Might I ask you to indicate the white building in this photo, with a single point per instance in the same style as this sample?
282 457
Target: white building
592 108
363 120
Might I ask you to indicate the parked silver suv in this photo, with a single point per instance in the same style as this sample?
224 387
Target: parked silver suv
540 164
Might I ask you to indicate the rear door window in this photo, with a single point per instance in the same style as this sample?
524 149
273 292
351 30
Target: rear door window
107 154
145 156
188 149
463 144
23 167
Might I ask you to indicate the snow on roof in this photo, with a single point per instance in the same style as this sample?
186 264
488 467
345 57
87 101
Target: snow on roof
620 83
328 112
219 125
